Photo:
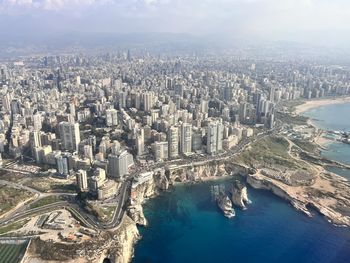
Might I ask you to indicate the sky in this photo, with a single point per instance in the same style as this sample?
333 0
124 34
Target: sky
323 22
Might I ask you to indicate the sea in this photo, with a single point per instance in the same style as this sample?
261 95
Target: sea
185 224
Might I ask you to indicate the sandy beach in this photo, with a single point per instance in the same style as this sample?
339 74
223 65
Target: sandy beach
321 102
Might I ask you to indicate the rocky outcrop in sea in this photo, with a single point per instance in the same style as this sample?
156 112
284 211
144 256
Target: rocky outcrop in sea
239 194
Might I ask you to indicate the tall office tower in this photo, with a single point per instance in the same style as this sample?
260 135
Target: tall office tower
214 137
204 106
140 142
173 142
88 153
160 150
6 102
128 56
243 111
81 178
179 90
118 164
35 140
72 109
15 106
138 101
272 93
226 114
115 147
62 165
122 99
168 83
37 122
78 80
186 138
111 117
147 101
228 92
70 135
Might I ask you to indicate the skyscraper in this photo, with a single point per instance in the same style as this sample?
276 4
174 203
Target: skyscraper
118 164
186 138
81 178
70 135
111 117
147 101
173 142
214 137
140 142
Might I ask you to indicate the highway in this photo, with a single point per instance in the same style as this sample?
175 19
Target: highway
124 195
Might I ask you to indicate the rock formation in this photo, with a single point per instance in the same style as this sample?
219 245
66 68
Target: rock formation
239 194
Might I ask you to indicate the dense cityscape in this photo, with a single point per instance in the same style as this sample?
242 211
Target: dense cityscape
83 132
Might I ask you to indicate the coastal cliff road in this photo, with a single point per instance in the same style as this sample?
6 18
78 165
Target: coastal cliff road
74 209
121 206
77 212
203 160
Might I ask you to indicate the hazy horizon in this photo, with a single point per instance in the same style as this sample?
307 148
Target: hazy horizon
315 22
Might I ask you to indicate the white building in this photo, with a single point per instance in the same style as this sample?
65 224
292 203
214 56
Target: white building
111 117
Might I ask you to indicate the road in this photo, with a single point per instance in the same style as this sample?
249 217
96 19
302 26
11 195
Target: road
124 195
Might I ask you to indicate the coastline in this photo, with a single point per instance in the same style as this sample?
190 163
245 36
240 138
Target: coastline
311 104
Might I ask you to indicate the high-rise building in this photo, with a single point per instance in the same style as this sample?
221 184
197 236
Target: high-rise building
140 142
272 93
119 164
243 111
186 138
62 165
37 122
88 153
173 142
111 117
160 150
70 135
147 101
35 139
214 137
81 178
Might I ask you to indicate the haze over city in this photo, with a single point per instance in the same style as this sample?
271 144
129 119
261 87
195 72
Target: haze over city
316 22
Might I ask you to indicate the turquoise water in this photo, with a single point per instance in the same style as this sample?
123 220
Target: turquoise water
337 118
331 117
186 226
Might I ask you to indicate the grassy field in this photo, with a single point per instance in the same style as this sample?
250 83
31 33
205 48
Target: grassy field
269 152
10 197
13 226
47 185
287 118
305 145
11 253
108 212
46 201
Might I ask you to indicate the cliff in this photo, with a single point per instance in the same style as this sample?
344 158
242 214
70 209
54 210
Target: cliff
329 195
117 246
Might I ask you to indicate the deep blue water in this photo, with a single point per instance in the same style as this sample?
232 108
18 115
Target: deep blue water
186 226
